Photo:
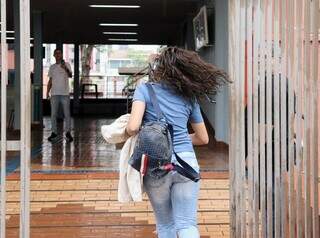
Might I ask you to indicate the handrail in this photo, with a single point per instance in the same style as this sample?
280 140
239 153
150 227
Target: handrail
137 76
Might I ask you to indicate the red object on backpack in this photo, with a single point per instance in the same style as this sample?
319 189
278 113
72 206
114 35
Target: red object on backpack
144 164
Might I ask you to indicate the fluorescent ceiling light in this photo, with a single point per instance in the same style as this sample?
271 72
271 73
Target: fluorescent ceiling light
116 39
119 33
117 24
12 38
115 6
8 31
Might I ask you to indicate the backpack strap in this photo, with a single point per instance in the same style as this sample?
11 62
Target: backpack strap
154 101
185 169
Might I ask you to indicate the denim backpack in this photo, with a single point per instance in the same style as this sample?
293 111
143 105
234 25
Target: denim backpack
154 147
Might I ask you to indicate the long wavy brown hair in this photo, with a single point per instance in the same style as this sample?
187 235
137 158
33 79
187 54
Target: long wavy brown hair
187 73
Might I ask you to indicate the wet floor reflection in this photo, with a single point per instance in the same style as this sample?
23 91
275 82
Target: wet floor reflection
89 151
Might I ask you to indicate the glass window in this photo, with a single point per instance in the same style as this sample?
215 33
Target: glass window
114 64
125 63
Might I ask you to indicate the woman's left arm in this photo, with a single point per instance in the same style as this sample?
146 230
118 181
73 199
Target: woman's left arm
135 120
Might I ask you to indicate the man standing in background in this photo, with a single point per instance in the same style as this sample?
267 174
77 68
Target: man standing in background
59 74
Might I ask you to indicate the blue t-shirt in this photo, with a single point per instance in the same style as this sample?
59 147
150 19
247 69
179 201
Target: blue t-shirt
177 110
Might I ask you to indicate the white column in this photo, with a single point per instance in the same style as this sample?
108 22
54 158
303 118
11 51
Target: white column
4 81
25 101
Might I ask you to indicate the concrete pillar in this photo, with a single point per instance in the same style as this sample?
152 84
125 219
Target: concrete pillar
38 68
17 76
76 80
218 114
189 37
221 60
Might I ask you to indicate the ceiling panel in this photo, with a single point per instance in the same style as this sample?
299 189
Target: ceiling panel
73 21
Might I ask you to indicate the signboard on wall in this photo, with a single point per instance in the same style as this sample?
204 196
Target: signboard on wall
200 29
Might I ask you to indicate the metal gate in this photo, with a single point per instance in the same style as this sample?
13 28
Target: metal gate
274 160
25 103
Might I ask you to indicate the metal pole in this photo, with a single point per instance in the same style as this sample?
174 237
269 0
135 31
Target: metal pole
76 80
25 118
17 65
38 55
4 81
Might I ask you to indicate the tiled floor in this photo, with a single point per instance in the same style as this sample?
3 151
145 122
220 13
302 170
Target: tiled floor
74 189
80 207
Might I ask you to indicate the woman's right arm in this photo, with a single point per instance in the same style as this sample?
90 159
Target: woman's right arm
200 135
136 117
137 110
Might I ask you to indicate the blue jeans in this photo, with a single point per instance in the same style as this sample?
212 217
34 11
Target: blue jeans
174 200
64 100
